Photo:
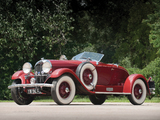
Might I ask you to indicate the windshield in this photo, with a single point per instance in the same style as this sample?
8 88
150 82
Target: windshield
88 55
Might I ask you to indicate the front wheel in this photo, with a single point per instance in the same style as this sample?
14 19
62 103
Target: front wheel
139 93
97 99
63 91
19 96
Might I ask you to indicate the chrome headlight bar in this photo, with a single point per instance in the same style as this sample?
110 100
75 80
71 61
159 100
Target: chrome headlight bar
46 67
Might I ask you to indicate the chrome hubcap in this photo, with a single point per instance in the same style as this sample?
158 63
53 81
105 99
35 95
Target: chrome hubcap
90 76
140 91
67 90
87 76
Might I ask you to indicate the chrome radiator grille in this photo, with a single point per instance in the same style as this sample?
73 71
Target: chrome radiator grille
39 74
38 69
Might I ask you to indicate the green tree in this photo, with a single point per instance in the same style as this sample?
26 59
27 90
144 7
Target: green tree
154 23
154 37
99 22
127 32
30 30
135 44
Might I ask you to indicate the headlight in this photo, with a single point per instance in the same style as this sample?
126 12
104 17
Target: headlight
27 67
46 67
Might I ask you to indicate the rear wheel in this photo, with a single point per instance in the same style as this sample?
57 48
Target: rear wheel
139 93
19 96
63 91
97 99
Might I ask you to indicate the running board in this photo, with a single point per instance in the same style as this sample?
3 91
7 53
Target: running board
113 93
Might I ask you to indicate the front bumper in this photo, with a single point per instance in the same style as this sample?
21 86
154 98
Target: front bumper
30 85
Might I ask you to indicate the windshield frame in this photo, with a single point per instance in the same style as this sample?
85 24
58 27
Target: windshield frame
89 56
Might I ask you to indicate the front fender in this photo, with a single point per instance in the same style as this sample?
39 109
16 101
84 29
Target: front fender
61 71
17 75
58 72
130 81
20 75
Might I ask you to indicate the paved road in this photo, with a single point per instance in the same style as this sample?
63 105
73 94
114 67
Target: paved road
79 111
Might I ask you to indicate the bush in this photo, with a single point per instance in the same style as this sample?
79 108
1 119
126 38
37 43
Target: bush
151 70
5 93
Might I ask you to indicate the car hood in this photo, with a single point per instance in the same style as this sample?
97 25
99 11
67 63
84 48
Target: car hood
65 63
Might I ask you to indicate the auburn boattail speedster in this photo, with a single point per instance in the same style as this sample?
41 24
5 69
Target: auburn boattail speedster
84 74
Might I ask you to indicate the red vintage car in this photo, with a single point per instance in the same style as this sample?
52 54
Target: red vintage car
84 74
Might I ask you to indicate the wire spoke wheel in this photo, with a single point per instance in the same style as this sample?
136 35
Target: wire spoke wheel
138 92
64 90
87 76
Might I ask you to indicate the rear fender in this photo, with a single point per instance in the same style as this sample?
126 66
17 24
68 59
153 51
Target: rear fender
130 81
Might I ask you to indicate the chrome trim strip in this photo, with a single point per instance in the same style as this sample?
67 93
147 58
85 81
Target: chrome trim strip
118 93
31 85
37 75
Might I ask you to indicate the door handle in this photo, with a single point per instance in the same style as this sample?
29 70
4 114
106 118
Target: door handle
112 69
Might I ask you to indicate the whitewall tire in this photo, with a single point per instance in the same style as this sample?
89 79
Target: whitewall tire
63 91
139 92
87 73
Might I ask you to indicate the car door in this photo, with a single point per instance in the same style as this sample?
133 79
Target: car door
119 75
105 72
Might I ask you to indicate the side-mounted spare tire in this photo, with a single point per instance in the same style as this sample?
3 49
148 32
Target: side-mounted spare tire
87 73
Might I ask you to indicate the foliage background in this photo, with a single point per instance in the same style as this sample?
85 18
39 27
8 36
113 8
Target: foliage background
126 31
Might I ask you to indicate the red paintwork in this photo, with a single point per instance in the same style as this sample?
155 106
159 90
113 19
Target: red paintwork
58 72
131 79
111 78
109 74
17 75
21 75
71 64
102 88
